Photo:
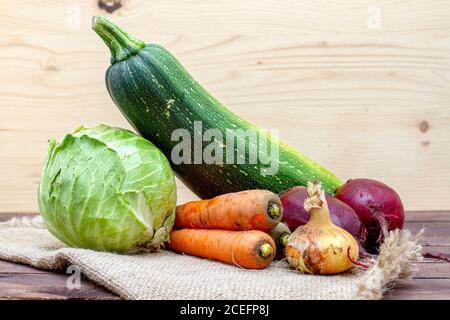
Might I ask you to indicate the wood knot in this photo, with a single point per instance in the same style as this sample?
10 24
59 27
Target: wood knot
51 65
424 126
109 5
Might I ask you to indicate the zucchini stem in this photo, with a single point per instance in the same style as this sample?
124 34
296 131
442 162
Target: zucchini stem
121 44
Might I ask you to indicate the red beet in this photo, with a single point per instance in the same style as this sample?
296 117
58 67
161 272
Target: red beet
295 215
378 206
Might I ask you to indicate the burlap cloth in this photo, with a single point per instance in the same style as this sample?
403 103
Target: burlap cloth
167 275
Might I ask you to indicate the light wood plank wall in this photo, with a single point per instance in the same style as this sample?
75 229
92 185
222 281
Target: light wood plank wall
363 87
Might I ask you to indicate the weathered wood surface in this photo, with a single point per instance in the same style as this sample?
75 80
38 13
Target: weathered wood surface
361 86
26 283
431 281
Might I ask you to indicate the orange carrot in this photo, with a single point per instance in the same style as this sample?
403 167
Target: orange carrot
248 249
245 210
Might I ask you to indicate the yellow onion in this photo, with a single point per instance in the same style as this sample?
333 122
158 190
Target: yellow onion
320 247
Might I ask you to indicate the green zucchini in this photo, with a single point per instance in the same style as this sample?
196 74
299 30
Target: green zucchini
157 96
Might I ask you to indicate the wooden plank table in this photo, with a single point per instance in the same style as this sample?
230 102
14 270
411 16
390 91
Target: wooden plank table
431 281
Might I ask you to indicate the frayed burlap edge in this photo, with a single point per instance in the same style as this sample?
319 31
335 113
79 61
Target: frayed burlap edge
395 261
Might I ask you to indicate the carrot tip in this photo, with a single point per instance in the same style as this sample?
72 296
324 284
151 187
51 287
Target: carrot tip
265 250
284 238
274 210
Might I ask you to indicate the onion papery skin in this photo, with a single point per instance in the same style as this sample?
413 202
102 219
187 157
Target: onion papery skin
321 251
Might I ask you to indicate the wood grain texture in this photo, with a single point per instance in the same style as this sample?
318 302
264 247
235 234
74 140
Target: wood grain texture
48 286
366 97
420 289
13 268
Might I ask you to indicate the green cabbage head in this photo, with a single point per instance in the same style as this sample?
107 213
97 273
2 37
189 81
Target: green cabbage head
108 189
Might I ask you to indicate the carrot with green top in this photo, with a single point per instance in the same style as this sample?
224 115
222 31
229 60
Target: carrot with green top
247 249
245 210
